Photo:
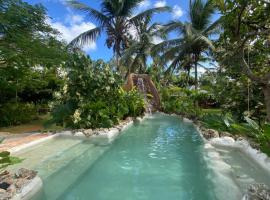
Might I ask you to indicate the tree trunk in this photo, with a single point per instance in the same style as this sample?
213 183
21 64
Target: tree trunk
117 62
188 78
266 92
264 81
196 71
16 92
196 76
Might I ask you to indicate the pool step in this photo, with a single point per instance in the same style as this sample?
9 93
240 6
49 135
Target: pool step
59 160
71 169
43 152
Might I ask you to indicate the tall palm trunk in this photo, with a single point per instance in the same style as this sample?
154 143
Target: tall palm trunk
117 59
196 60
188 77
196 75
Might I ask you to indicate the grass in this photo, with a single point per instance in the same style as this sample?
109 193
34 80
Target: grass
211 111
34 126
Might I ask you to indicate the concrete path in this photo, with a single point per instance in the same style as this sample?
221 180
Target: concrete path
20 139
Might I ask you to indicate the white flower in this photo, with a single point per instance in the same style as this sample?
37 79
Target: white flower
77 116
65 88
57 95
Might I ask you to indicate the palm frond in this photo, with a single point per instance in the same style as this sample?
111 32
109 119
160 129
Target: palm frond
129 52
154 28
147 14
215 27
173 26
93 13
86 37
175 63
163 46
188 30
171 53
200 13
129 6
206 42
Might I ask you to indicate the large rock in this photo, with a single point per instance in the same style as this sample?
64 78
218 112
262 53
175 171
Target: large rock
257 192
225 134
88 132
148 87
25 174
12 184
210 133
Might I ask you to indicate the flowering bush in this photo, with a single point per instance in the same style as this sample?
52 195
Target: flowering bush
92 96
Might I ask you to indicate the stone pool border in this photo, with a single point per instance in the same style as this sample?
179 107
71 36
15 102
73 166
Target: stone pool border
226 140
28 191
36 184
240 143
109 133
214 139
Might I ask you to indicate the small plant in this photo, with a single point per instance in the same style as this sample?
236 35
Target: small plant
6 159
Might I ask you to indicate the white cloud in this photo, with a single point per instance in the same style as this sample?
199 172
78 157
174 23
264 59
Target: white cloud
73 26
74 19
200 70
157 40
133 32
144 4
177 12
161 3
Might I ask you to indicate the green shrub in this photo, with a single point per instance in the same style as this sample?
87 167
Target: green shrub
6 160
92 96
227 123
181 101
264 139
135 102
17 113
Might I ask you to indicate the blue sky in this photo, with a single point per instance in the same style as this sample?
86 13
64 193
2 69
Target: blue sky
71 23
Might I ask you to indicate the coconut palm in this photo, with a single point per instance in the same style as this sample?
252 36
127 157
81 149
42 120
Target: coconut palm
193 40
136 55
115 19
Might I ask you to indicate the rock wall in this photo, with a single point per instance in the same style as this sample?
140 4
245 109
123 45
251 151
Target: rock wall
149 87
21 185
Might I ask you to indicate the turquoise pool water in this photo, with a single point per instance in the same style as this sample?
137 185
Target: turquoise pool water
157 159
160 158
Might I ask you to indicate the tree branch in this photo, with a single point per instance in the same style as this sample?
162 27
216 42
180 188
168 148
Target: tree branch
248 71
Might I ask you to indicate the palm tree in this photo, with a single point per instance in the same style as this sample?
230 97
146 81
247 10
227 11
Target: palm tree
193 40
136 55
115 19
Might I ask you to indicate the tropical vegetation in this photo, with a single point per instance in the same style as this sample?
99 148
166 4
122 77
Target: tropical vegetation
229 40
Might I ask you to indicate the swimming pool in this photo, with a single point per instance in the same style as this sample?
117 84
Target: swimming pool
160 158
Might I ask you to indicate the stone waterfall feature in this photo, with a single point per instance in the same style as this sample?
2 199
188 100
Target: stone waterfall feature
146 86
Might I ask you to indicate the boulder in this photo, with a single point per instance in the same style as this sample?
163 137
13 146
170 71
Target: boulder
225 134
257 191
210 133
88 132
25 174
223 141
79 134
11 184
